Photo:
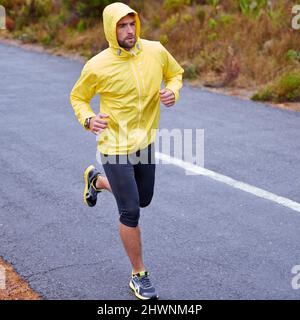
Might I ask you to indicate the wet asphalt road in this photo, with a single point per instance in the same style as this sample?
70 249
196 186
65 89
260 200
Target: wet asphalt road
202 239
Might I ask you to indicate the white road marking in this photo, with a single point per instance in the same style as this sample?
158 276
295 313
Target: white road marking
229 181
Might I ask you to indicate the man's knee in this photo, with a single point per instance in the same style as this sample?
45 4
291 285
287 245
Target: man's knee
130 216
146 201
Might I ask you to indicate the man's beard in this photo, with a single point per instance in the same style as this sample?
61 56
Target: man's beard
125 43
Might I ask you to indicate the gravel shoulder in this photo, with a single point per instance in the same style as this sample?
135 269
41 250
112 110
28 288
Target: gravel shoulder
15 288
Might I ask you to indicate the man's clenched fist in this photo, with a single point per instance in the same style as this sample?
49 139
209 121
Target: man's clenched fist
167 97
99 123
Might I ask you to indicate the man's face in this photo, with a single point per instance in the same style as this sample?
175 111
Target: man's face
126 32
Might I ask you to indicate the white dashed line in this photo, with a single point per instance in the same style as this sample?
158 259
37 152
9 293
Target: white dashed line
229 181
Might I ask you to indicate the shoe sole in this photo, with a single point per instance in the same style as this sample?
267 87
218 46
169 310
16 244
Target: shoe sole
139 296
86 182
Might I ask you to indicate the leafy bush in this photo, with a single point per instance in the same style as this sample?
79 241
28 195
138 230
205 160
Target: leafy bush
293 55
175 5
51 26
263 95
226 19
171 22
164 39
92 8
200 14
11 6
213 36
46 40
287 88
187 18
35 9
214 2
26 12
190 72
212 23
252 7
81 26
155 23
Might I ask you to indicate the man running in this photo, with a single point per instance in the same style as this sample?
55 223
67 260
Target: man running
128 77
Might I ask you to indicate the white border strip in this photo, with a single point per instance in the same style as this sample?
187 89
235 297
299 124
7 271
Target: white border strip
229 181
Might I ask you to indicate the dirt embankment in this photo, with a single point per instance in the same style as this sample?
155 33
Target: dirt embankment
237 92
12 287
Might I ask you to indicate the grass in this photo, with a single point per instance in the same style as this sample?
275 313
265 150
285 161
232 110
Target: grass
286 88
229 41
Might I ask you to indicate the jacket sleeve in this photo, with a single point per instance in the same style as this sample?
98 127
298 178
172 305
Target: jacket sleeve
82 93
172 73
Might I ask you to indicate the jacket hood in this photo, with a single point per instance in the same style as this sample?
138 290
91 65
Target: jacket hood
111 15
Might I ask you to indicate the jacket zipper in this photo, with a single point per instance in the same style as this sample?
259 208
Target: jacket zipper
139 91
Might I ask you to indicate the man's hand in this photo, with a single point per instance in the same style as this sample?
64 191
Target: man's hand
98 123
167 97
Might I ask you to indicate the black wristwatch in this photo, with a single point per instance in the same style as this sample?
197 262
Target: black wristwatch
87 122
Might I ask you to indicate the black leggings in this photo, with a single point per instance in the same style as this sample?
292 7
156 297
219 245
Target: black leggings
131 181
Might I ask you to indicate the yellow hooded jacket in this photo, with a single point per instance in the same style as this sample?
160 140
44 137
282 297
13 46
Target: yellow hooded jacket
128 83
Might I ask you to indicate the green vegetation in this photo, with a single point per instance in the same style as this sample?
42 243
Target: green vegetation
254 8
286 88
230 43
